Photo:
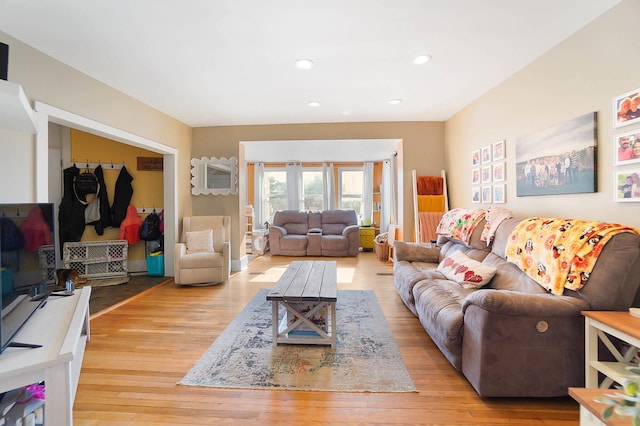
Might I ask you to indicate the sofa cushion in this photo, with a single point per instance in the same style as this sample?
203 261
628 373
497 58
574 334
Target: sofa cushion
294 221
202 260
294 242
465 271
439 304
334 221
315 220
296 228
332 244
333 228
417 252
199 241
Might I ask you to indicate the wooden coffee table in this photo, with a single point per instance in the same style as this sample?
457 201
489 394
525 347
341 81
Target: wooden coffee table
308 290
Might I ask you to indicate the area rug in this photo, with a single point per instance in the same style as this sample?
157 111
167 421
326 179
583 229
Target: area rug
105 282
366 357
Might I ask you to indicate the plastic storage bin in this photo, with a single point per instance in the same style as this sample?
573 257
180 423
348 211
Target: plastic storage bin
97 259
155 265
7 281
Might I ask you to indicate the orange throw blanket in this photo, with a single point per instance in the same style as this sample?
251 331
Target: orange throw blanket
559 253
431 203
428 223
430 185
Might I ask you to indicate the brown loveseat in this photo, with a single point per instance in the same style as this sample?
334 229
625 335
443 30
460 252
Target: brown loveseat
326 233
512 337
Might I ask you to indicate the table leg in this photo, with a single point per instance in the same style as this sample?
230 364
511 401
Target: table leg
332 309
274 320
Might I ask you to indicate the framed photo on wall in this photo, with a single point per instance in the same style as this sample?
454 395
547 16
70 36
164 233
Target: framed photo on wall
486 174
485 153
627 147
627 188
498 172
498 193
498 150
560 159
475 158
626 108
486 194
475 194
475 176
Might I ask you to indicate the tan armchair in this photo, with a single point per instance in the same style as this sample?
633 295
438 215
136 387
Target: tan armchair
202 259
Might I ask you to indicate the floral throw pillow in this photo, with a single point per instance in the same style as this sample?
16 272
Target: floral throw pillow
465 271
199 241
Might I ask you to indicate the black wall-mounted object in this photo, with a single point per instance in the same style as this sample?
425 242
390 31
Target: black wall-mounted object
4 60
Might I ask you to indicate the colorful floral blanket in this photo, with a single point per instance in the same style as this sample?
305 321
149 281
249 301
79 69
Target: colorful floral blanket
459 224
559 253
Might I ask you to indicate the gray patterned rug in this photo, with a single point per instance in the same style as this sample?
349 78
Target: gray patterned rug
366 358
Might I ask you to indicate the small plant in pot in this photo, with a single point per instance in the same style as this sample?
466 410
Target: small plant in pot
627 402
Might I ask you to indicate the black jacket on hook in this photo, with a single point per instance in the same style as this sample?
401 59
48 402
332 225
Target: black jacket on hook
105 213
71 211
121 196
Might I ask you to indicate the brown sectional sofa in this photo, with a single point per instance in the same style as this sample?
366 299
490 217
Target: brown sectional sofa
512 338
325 233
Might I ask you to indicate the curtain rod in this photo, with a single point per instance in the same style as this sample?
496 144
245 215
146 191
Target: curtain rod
314 163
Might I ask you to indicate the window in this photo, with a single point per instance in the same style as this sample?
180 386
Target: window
351 183
312 189
275 192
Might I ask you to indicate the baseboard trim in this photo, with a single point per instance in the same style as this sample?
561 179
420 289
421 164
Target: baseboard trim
241 264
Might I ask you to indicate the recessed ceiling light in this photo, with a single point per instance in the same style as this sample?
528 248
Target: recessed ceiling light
346 112
314 104
421 59
304 64
395 101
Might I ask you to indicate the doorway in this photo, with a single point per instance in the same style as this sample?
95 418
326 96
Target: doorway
47 113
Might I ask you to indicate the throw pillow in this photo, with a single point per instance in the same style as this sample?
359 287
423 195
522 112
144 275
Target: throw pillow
200 241
465 271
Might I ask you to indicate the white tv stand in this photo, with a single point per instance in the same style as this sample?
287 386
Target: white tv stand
61 326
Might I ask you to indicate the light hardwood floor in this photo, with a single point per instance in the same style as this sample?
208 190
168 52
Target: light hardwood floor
139 351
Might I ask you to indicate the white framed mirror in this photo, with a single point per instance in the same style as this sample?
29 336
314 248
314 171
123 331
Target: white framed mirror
216 176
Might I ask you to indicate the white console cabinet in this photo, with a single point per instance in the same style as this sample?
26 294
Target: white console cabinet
61 326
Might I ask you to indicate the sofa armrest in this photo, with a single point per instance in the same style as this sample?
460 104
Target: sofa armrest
350 230
516 303
314 231
277 231
416 252
180 249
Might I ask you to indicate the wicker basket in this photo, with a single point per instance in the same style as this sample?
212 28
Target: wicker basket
382 251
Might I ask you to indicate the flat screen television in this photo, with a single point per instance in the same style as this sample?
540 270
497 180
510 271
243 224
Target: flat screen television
28 263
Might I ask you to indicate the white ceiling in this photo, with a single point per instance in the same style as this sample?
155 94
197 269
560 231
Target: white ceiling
231 62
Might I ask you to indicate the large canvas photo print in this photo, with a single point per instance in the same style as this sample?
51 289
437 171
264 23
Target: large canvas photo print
558 160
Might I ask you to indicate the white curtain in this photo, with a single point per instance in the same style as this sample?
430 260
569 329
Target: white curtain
393 190
258 195
328 197
367 191
385 209
294 186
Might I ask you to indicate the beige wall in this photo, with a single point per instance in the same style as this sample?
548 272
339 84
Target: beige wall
52 82
581 75
422 150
